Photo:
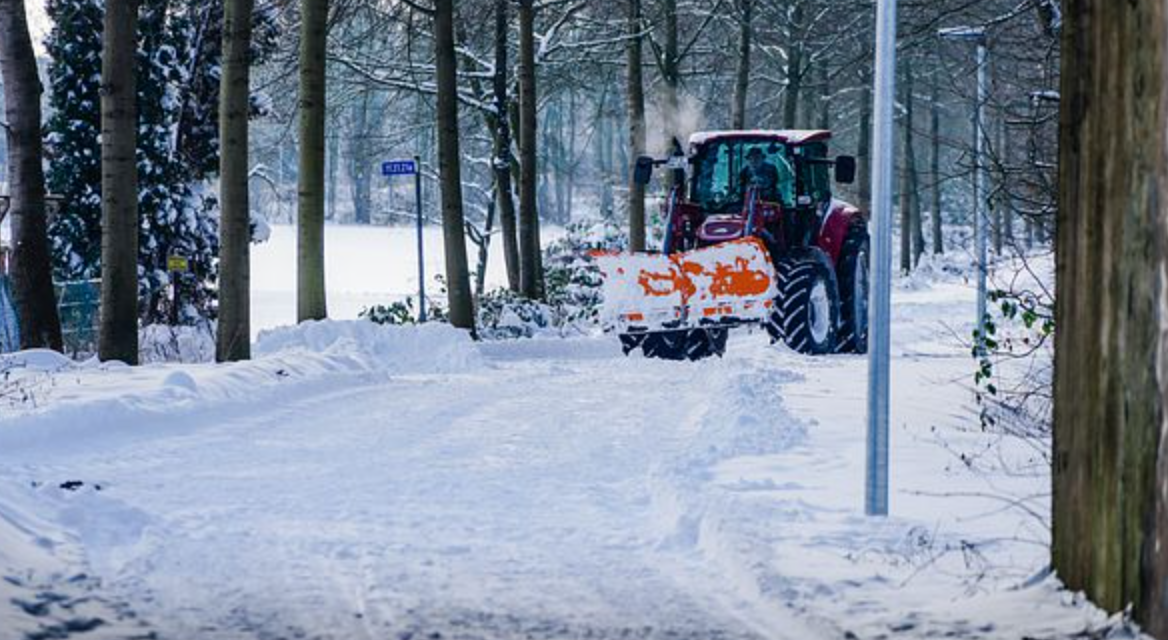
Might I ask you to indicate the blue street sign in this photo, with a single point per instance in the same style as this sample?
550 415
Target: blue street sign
398 168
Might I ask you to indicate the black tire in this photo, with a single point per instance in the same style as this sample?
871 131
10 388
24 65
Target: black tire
665 345
631 342
678 344
853 282
806 311
718 339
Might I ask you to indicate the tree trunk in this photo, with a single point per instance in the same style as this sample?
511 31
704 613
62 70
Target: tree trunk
864 146
361 161
485 246
503 157
670 75
636 123
1110 531
234 336
310 290
570 157
742 76
935 165
823 117
906 174
458 288
331 159
118 339
1005 206
795 64
530 260
36 305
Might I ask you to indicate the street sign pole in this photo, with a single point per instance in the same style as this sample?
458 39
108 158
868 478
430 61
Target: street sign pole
876 472
404 168
421 257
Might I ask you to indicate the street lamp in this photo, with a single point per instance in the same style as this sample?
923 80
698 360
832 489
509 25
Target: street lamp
879 309
977 35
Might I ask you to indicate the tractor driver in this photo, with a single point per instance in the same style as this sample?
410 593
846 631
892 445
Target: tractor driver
761 175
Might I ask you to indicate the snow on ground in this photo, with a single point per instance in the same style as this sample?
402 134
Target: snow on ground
357 481
364 266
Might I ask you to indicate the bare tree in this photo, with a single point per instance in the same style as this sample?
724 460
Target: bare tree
310 283
530 262
118 339
1110 459
503 158
636 117
233 341
742 74
449 169
935 165
36 306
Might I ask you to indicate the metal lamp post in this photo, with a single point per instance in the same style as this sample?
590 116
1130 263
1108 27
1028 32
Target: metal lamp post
879 309
980 227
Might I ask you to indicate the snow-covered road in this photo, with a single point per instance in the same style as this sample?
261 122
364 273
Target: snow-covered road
414 485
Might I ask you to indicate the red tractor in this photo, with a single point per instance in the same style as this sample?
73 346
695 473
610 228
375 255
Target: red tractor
752 235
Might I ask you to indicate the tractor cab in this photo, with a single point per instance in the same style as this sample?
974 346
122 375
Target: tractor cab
772 184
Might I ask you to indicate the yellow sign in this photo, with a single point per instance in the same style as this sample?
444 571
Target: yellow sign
177 263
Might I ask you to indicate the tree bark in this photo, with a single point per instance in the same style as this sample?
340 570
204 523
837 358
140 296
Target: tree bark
670 75
742 75
233 341
636 122
118 337
458 289
310 283
907 230
32 276
503 157
935 165
823 117
361 161
530 260
1110 529
864 146
795 64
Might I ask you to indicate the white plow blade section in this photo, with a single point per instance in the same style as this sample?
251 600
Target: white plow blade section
727 283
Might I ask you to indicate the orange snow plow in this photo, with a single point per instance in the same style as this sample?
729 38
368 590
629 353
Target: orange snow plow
717 286
753 234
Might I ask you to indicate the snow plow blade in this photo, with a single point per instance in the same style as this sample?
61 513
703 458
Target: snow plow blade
714 287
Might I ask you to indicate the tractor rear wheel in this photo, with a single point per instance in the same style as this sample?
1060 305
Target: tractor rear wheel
806 310
853 281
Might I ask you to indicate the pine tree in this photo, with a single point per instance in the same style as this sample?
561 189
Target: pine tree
177 145
74 147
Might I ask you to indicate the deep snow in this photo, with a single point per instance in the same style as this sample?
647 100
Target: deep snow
361 481
364 266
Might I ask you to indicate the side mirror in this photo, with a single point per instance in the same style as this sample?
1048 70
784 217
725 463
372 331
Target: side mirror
845 169
643 170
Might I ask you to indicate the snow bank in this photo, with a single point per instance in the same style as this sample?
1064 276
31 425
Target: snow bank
79 403
426 348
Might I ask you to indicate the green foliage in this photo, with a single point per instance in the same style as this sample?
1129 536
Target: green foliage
395 313
178 154
1033 319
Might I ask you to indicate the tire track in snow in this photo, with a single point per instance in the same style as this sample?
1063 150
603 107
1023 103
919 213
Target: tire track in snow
519 500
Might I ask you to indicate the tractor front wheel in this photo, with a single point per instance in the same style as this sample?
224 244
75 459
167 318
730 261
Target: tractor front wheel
806 310
678 344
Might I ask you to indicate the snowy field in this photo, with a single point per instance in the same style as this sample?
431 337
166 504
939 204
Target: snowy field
364 266
356 481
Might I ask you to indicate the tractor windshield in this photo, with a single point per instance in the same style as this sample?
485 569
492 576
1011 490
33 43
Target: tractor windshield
725 169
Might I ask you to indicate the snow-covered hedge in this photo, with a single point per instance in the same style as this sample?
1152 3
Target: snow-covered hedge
186 344
573 285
